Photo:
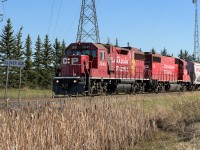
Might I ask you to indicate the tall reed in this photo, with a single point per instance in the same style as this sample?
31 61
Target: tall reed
74 124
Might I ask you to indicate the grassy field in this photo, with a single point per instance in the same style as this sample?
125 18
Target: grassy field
141 122
25 93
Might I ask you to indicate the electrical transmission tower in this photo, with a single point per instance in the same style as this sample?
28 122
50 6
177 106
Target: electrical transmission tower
1 15
196 33
88 25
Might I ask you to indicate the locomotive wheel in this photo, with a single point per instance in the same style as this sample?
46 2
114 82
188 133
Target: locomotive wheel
167 87
183 88
133 91
101 91
93 90
156 90
98 90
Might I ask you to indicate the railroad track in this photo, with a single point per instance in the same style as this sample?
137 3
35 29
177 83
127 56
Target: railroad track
61 99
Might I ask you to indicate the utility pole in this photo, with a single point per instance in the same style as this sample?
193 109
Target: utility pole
88 25
196 32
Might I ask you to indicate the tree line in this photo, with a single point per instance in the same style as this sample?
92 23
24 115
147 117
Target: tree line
40 61
183 54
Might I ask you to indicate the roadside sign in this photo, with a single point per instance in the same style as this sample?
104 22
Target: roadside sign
14 63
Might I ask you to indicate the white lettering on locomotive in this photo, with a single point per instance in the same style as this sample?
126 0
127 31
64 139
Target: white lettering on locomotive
82 47
167 72
74 60
86 47
168 66
102 64
119 61
64 61
118 68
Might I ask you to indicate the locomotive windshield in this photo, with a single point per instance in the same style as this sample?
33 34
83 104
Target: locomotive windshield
94 53
68 52
85 52
81 52
76 52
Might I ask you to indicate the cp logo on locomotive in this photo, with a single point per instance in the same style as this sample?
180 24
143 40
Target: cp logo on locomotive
74 60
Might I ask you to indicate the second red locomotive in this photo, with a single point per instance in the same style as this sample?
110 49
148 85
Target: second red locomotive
91 68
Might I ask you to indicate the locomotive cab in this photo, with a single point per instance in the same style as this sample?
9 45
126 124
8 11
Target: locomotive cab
81 62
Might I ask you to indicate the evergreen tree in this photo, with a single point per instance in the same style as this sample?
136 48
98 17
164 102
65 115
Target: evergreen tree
108 42
117 42
38 61
7 48
57 54
47 70
28 53
185 55
38 54
7 43
193 58
164 52
63 47
17 55
29 73
153 50
19 46
47 53
181 54
140 49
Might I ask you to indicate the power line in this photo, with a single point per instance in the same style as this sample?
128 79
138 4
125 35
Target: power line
57 18
51 15
73 21
1 15
4 9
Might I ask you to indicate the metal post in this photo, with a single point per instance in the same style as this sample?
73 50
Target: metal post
196 33
5 95
20 82
7 72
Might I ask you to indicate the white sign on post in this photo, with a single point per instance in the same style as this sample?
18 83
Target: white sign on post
14 63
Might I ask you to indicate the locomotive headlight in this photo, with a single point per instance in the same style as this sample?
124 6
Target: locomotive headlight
75 81
68 58
57 81
68 62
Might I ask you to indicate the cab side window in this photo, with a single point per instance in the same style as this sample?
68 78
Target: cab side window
102 55
94 53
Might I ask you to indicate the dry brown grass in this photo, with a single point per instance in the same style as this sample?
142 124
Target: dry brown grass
75 124
110 122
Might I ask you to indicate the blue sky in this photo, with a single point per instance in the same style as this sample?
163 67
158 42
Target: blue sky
145 24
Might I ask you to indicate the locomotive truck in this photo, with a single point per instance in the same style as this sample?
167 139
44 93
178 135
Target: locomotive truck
95 68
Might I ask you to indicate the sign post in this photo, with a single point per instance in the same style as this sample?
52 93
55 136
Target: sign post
5 95
13 63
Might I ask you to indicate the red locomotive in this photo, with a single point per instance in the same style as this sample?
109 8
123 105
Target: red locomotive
91 68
